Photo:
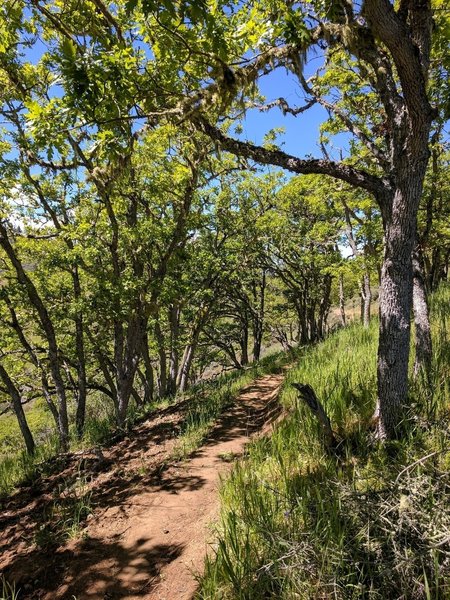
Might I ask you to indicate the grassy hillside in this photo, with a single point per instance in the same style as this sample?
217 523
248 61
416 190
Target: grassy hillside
372 523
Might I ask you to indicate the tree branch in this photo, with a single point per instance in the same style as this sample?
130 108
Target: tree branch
347 173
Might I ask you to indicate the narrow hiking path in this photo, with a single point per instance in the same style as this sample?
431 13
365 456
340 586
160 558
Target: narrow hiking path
149 532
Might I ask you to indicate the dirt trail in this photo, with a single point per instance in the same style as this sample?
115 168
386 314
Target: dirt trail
150 529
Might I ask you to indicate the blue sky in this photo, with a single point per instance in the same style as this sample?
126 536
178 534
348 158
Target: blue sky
302 132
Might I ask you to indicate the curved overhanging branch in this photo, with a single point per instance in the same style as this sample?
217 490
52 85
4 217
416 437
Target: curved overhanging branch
338 170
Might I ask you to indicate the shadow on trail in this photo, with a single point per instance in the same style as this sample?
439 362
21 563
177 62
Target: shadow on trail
75 565
126 571
243 419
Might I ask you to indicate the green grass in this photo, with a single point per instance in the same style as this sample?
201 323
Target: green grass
375 523
65 516
39 420
8 591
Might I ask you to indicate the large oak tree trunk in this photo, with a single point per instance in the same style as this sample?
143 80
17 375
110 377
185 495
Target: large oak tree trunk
423 343
399 220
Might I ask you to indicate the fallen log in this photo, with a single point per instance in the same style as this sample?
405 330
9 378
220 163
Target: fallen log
307 394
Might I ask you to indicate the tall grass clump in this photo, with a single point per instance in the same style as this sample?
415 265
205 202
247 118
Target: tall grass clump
372 521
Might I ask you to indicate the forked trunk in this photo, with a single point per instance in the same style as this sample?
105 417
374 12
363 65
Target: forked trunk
186 364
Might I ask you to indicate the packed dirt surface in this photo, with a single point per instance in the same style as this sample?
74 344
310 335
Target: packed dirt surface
151 524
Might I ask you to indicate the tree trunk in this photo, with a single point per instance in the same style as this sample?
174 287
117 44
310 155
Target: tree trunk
366 299
186 363
136 397
162 376
148 377
423 343
342 299
81 360
16 403
324 307
174 322
50 335
243 342
258 320
126 368
189 352
399 220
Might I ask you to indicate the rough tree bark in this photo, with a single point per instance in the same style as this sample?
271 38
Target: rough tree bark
423 342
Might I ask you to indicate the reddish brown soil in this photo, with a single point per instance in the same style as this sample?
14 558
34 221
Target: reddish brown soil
150 528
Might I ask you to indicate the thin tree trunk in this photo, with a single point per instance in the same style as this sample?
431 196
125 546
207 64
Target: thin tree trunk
342 299
174 322
189 351
243 341
148 379
16 403
324 307
258 320
81 361
366 299
49 331
136 397
126 371
186 363
162 377
33 357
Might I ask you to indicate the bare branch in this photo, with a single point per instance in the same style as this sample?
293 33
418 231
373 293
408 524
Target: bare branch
356 177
